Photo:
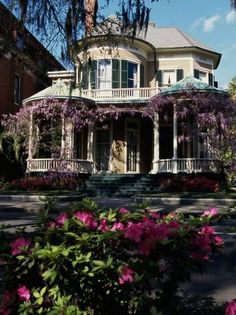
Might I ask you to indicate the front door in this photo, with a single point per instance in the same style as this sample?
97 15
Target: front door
102 150
132 141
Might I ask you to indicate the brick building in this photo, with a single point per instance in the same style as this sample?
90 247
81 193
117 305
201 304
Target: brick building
24 63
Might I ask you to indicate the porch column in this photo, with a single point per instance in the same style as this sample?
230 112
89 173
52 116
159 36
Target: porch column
30 155
90 143
62 155
69 145
156 149
175 141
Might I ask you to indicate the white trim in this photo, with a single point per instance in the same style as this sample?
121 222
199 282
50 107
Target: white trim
115 51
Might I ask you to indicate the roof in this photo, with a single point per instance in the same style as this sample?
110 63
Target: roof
159 37
190 83
170 37
59 90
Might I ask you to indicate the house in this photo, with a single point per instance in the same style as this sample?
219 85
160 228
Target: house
114 80
24 62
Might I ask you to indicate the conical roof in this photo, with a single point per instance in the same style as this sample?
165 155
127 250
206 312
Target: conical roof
59 90
191 84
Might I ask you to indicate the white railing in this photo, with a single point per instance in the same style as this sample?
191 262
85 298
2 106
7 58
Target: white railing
188 165
59 165
121 94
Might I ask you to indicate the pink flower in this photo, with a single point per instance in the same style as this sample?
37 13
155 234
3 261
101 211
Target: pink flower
118 226
162 232
86 218
231 308
173 226
23 293
201 257
127 275
203 242
146 246
61 218
134 231
210 213
18 245
123 210
207 230
103 226
51 225
154 215
218 240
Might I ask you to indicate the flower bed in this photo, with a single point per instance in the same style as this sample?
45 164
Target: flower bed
90 261
52 181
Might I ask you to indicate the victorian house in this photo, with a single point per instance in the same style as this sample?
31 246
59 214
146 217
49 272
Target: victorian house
115 78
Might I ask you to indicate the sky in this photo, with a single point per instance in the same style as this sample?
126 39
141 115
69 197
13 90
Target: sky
210 21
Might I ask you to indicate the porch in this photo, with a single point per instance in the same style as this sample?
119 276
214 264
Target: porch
180 165
78 166
119 95
188 165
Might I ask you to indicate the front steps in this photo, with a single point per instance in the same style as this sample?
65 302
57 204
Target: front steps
121 185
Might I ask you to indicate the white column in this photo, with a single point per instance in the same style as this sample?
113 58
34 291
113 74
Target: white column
30 136
90 143
62 137
175 141
69 145
156 149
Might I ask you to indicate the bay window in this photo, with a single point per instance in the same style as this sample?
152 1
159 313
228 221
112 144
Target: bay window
106 74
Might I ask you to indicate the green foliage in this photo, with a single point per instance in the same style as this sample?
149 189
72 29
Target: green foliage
89 261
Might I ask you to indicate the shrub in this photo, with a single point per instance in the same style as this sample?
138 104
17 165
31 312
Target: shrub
90 261
52 181
201 184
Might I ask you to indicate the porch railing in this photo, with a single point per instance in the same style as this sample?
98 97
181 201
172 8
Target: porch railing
188 165
59 165
121 94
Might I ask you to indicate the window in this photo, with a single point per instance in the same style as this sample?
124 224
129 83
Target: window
169 76
17 88
106 74
203 76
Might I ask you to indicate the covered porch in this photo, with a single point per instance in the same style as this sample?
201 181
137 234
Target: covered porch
181 144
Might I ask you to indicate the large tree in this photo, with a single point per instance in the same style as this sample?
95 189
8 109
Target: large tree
232 87
63 22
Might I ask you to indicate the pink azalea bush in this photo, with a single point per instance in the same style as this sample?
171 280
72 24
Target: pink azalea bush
54 181
231 308
90 261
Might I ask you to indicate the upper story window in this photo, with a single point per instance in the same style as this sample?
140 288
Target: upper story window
107 74
169 76
17 89
204 76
